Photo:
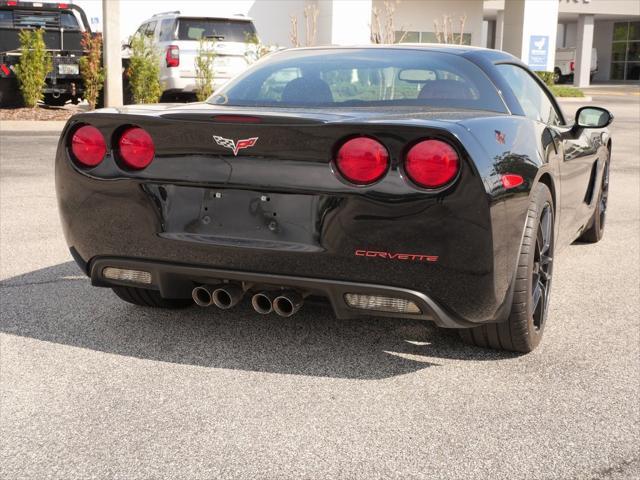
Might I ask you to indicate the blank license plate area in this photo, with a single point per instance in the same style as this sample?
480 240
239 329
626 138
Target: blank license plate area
245 216
250 214
68 69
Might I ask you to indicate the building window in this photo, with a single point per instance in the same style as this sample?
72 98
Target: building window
427 37
625 51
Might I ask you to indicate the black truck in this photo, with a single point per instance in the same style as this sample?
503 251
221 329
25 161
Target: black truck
63 25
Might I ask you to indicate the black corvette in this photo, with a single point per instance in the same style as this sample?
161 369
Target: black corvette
431 183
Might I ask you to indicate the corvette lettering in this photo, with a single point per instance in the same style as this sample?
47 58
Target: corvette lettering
411 257
235 146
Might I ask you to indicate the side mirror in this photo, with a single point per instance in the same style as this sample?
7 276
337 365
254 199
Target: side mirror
593 117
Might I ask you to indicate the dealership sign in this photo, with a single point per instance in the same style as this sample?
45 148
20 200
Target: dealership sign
538 52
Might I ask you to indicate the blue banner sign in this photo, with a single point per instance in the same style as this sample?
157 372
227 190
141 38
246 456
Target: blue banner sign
538 52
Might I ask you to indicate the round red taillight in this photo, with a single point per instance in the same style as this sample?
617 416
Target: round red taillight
362 160
431 163
88 146
136 149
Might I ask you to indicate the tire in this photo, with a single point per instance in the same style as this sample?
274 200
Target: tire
10 96
595 231
55 102
149 298
523 330
557 76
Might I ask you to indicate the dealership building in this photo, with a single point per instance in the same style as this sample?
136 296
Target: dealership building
530 29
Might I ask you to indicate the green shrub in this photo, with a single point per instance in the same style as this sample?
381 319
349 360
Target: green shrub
33 67
547 78
561 91
204 69
91 67
144 71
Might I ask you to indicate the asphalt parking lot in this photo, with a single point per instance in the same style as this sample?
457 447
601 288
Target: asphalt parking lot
95 388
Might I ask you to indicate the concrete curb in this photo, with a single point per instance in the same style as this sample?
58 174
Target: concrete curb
584 99
53 126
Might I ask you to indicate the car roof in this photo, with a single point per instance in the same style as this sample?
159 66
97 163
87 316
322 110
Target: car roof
237 17
467 50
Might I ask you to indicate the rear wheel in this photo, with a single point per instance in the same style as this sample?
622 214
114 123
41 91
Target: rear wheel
523 330
50 100
149 298
596 230
557 76
10 96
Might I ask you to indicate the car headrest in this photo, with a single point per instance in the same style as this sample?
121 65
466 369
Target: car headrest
307 90
445 90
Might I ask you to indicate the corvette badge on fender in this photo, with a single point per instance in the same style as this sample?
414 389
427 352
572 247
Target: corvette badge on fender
235 146
412 257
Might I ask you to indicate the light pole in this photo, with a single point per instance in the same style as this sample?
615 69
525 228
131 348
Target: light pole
112 53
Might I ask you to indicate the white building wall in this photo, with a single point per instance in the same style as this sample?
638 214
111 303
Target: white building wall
571 34
603 7
325 14
607 7
524 20
602 36
272 19
560 36
419 15
351 21
344 22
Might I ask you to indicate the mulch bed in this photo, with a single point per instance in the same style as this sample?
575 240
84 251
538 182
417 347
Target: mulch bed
39 113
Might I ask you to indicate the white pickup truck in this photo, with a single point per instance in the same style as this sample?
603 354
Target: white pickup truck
566 63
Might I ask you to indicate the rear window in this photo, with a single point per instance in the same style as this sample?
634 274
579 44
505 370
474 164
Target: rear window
34 18
363 78
39 19
68 21
6 18
219 29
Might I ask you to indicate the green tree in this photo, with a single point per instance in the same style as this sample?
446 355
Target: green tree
33 67
91 67
144 71
205 72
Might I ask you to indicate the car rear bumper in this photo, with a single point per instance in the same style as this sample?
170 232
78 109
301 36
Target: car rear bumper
175 280
129 225
177 84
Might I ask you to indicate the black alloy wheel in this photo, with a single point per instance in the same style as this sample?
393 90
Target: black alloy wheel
523 329
595 228
542 268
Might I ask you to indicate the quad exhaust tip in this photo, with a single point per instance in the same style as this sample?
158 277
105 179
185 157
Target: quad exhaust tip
202 295
227 296
222 296
284 303
262 302
288 303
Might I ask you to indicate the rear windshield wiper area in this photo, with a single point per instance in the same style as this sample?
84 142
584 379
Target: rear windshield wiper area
47 19
26 18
